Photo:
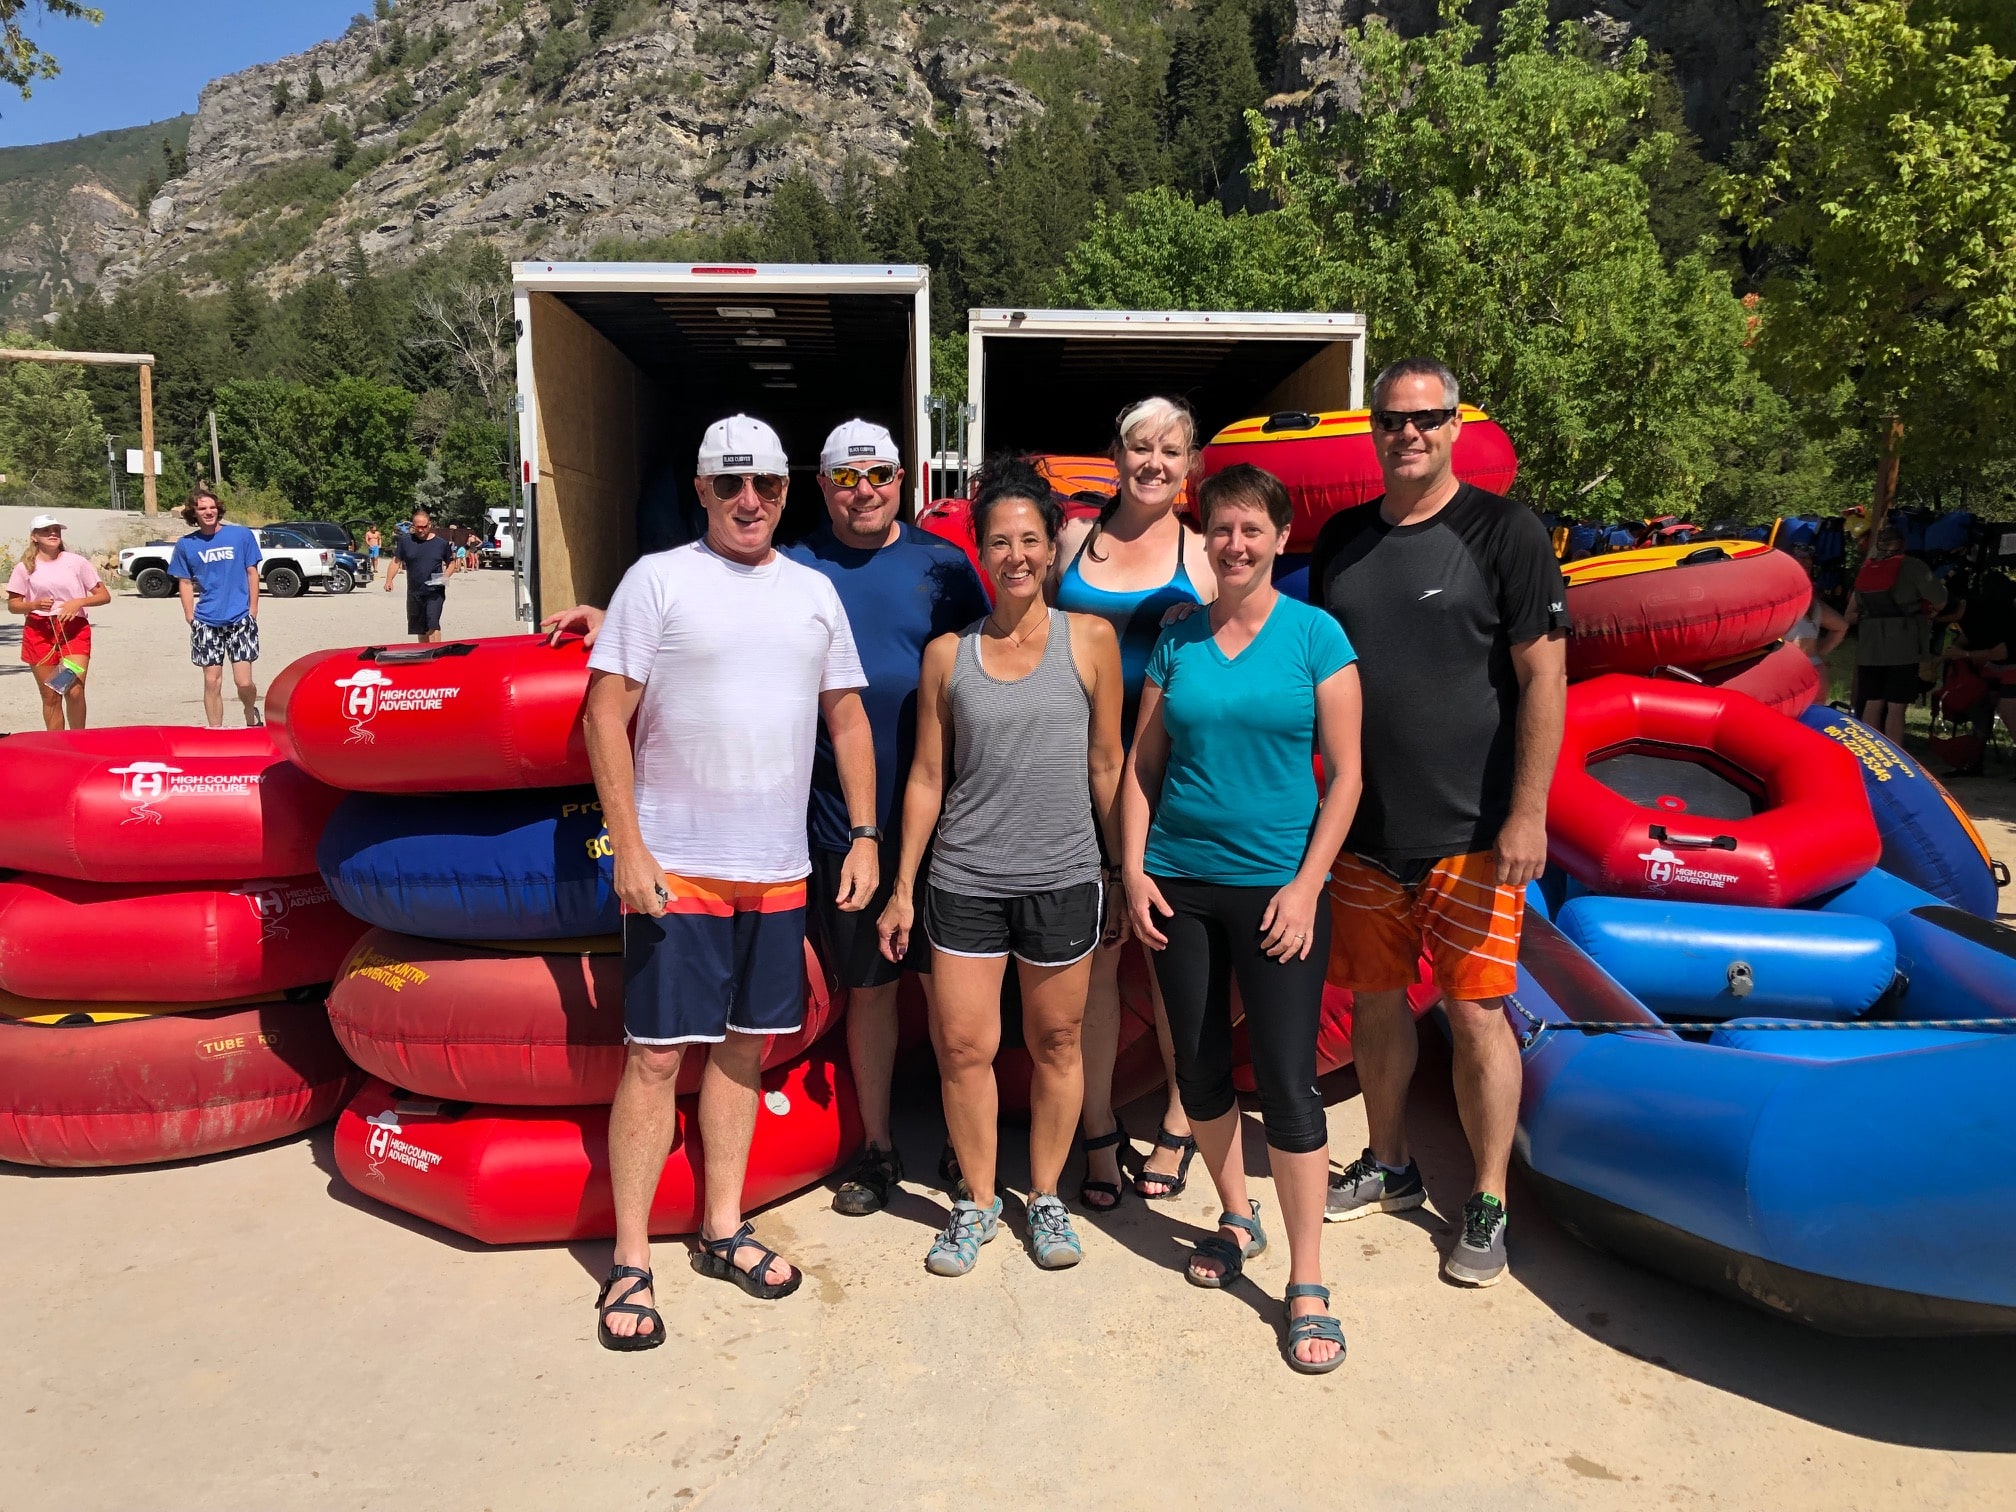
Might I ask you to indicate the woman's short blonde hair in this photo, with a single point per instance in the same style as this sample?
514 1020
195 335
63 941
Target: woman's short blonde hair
1154 416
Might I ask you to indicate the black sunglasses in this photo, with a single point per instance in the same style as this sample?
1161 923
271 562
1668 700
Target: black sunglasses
1424 421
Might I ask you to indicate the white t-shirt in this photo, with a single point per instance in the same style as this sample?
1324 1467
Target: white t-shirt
733 660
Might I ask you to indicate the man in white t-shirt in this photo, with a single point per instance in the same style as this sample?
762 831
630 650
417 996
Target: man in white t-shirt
727 655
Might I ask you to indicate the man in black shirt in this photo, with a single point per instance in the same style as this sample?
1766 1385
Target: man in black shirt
1455 603
428 560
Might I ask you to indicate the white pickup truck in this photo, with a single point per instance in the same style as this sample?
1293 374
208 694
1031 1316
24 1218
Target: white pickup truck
284 571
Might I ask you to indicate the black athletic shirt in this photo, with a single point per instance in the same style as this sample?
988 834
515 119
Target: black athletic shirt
1434 610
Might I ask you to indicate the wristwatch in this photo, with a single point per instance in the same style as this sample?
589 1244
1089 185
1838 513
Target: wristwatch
865 832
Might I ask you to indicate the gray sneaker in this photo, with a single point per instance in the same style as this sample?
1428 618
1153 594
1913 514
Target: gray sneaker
1053 1243
1478 1257
1365 1186
955 1250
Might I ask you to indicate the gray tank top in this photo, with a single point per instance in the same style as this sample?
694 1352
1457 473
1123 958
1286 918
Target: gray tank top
1018 811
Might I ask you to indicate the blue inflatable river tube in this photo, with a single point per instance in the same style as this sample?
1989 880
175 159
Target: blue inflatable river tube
1852 1177
530 864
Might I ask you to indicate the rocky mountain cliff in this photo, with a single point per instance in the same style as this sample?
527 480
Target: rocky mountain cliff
551 125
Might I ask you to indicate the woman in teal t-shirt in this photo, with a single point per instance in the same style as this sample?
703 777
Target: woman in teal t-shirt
1227 847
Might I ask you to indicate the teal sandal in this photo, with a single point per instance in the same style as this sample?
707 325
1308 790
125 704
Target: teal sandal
1314 1326
957 1247
1233 1257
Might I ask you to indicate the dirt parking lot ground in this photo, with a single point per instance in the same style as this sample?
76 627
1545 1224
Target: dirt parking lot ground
246 1332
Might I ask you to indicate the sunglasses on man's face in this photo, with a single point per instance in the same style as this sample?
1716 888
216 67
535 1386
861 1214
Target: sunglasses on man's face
1394 421
769 486
881 475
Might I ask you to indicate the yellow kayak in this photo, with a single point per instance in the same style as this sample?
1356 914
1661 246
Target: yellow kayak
1618 564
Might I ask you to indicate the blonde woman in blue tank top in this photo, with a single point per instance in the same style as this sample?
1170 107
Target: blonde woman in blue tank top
1015 777
1130 567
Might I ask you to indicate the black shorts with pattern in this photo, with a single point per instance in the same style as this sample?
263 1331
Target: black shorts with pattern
213 645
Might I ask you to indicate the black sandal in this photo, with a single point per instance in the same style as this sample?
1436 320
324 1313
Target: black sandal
716 1258
1111 1190
640 1280
1172 1184
1232 1256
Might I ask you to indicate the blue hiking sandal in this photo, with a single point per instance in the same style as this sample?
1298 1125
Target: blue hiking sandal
955 1250
1052 1241
1232 1257
1313 1326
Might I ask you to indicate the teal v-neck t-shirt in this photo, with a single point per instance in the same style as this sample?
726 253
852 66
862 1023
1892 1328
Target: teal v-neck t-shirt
1239 791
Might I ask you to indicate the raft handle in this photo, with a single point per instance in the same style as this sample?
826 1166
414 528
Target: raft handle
395 655
1703 555
1289 420
1741 981
1692 842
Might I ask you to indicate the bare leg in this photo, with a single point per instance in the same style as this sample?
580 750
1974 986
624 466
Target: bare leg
73 698
1219 1147
1384 1049
1053 1014
966 1033
642 1121
1487 1087
871 1052
1300 1184
213 697
730 1083
248 691
52 701
1099 1047
1174 1119
1893 722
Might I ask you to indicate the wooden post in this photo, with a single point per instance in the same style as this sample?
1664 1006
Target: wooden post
150 501
1886 475
216 460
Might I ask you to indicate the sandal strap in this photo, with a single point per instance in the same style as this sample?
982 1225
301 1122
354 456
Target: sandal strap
1170 1141
1218 1247
725 1248
1314 1326
640 1280
1251 1224
1105 1141
1299 1289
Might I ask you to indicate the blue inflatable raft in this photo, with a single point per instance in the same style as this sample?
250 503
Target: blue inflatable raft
1858 1179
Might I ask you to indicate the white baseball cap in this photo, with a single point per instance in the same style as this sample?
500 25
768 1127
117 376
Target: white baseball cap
857 443
45 522
741 444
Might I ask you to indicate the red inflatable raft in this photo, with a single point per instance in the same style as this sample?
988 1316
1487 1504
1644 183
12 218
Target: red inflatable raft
168 1088
1327 462
90 942
1664 789
459 716
472 1024
1781 679
541 1175
153 803
1680 606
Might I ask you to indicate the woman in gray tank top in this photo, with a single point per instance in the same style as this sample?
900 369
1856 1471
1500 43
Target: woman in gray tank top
1016 777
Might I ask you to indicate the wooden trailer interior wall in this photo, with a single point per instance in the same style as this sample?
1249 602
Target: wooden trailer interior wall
594 407
1322 383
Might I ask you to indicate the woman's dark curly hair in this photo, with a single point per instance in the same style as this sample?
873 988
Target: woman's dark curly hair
1015 477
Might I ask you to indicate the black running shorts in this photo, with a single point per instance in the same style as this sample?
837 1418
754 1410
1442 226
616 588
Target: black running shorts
1052 928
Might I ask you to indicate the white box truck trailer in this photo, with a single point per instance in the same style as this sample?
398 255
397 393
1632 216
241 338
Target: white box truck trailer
1055 380
622 366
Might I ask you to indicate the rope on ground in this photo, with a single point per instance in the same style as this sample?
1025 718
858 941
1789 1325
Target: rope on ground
1541 1026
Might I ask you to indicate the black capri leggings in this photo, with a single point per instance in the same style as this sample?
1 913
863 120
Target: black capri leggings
1216 932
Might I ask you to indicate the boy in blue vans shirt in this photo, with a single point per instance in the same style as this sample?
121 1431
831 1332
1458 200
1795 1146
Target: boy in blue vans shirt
217 571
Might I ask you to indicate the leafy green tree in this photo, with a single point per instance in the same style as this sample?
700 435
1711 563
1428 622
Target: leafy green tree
315 87
1211 83
470 471
559 54
602 16
328 343
1888 193
52 446
282 97
22 60
1161 250
1475 208
245 316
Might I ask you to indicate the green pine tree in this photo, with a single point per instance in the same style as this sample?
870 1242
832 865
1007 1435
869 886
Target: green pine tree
1211 84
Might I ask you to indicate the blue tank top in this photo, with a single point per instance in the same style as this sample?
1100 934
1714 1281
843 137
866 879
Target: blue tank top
1135 615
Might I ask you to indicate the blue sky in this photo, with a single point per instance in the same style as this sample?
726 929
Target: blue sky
150 58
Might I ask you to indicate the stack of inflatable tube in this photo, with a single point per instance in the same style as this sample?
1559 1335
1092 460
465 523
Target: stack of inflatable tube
488 1114
1327 463
1710 611
161 947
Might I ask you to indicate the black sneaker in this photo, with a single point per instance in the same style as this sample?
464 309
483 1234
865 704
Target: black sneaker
1478 1258
866 1189
1365 1186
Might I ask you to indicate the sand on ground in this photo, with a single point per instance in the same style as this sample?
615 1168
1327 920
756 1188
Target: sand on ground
248 1332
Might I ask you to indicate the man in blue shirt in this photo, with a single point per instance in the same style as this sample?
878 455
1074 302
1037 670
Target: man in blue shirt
217 571
901 587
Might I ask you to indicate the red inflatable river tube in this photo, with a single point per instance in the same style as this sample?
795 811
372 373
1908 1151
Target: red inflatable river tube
459 716
465 1023
1327 463
1669 790
170 1088
1781 679
157 803
170 943
1683 606
541 1175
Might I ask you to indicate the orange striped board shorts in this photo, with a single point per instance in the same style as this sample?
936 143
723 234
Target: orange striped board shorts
724 955
1467 924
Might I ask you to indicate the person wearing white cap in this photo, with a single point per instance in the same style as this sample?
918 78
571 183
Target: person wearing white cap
726 655
53 588
902 588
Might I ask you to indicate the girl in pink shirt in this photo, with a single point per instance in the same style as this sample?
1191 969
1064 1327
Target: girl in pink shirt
54 588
